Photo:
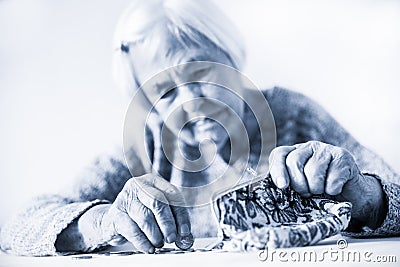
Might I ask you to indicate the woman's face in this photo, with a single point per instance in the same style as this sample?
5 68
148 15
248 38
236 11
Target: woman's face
192 110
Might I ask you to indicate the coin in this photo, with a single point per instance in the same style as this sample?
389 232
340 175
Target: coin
184 242
82 257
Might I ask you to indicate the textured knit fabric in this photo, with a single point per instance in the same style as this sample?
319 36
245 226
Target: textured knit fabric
298 119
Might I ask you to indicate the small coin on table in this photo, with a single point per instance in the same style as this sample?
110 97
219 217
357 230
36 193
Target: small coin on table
184 242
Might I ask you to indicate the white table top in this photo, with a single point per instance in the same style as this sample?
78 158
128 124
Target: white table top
327 253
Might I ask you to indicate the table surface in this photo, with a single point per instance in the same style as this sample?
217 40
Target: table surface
330 252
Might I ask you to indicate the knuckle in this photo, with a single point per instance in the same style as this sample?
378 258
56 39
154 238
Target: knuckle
347 157
145 176
293 160
272 156
128 193
311 143
314 144
279 150
123 200
274 152
343 163
130 184
341 153
172 190
145 180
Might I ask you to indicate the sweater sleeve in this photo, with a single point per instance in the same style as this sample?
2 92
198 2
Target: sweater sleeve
306 120
34 230
391 224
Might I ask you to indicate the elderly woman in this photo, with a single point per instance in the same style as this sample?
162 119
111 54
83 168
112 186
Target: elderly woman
112 203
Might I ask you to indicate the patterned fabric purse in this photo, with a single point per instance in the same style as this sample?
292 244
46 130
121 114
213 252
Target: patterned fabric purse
261 215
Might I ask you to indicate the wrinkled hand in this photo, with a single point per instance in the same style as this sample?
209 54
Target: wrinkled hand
314 168
142 215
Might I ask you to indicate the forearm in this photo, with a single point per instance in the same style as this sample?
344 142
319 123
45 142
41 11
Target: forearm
390 220
33 232
84 233
380 208
372 207
379 176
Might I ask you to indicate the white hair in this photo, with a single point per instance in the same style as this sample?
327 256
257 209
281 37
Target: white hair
180 24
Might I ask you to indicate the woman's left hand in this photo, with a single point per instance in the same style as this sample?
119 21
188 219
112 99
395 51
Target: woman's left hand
315 168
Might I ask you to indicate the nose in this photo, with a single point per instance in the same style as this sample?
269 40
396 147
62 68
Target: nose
191 102
192 106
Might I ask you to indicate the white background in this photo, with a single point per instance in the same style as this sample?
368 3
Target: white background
59 106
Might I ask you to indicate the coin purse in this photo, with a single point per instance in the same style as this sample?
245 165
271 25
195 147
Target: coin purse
260 215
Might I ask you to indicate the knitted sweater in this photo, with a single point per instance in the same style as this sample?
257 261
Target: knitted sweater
298 119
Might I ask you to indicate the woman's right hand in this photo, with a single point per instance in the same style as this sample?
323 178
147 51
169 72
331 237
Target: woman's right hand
141 214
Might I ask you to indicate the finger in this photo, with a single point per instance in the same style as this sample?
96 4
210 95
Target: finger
171 192
146 221
180 212
182 220
316 171
131 231
339 171
156 201
295 162
117 241
277 163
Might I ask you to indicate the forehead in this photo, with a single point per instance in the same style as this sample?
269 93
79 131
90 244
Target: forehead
148 62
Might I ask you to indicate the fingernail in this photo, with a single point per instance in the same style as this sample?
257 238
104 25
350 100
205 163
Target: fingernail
184 230
171 238
151 250
281 182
